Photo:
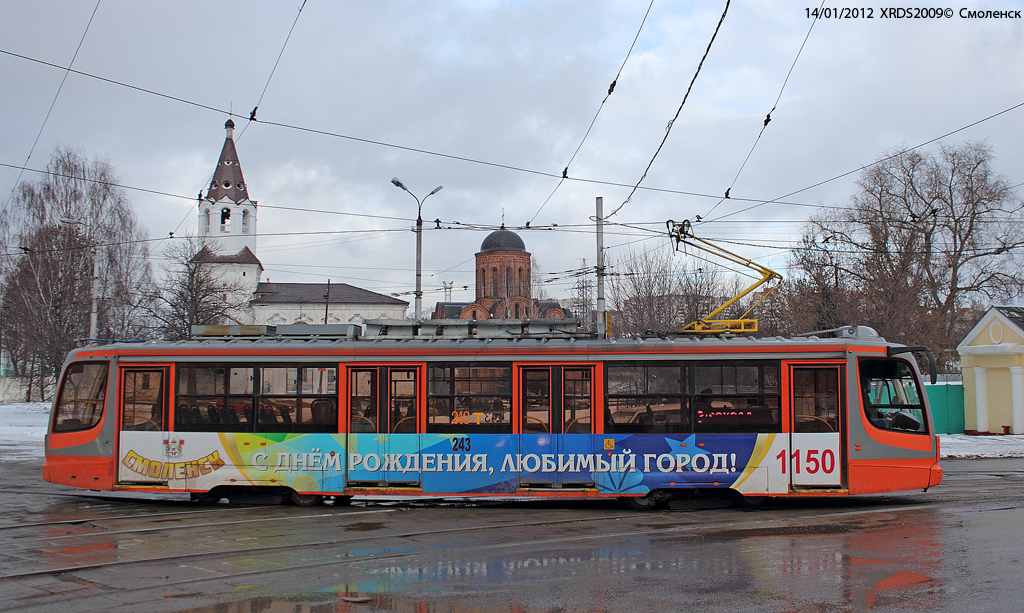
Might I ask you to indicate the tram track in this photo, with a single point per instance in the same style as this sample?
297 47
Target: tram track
194 510
327 512
192 526
734 529
92 520
219 509
659 530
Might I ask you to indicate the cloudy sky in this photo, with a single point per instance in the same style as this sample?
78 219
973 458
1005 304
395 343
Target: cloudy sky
491 100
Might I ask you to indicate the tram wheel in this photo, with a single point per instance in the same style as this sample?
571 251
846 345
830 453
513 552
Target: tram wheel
749 503
305 500
211 497
642 503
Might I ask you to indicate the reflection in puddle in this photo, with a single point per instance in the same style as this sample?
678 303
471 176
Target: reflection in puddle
890 563
882 561
348 604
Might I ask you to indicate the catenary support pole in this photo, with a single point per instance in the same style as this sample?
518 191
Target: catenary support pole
94 313
602 327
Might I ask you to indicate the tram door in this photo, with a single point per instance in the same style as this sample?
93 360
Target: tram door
816 454
383 416
556 425
144 438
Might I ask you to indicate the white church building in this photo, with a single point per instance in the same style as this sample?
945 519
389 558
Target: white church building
227 227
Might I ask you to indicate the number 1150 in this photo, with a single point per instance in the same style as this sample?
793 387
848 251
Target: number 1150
812 463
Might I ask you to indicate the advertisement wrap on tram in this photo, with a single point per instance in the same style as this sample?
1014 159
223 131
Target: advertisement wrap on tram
482 464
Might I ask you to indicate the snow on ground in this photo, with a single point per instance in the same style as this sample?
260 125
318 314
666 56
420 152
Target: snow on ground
23 427
22 430
964 446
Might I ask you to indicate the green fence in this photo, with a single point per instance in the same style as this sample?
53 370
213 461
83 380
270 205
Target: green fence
947 403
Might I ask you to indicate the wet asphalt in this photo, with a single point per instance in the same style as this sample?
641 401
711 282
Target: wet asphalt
957 547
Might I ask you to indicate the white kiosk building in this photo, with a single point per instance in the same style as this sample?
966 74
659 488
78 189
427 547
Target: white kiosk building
992 357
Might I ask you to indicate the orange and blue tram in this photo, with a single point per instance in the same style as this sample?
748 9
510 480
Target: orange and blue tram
310 412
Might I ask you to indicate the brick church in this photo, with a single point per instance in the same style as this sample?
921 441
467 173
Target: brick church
503 288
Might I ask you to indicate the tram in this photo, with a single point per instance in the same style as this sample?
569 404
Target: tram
507 408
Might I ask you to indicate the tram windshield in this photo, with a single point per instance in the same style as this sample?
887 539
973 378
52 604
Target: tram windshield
892 397
81 399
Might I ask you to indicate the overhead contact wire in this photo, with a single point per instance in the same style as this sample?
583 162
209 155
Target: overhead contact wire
668 128
768 117
876 162
53 103
759 202
252 115
611 88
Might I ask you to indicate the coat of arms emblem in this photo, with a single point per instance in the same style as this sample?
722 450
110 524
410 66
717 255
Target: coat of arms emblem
173 446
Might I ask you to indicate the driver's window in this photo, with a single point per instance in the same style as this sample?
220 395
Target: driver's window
890 391
142 400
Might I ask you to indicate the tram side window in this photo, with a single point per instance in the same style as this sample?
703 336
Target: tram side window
297 399
217 398
737 397
471 398
82 395
142 401
576 401
363 400
402 395
815 399
891 396
647 398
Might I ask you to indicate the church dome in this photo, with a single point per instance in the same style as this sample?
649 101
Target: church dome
502 240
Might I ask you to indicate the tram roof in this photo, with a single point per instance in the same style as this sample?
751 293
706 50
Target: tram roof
424 338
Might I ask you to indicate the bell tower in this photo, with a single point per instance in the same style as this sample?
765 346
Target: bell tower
227 217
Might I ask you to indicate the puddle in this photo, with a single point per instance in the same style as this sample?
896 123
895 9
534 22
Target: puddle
364 527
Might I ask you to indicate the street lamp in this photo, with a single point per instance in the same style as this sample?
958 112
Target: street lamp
93 317
419 241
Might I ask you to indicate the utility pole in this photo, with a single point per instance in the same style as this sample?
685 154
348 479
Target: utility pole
94 313
602 324
95 252
327 301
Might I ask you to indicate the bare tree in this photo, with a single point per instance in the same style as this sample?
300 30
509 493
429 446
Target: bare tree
46 302
192 294
537 289
660 291
819 296
130 278
775 313
701 290
646 293
54 225
926 235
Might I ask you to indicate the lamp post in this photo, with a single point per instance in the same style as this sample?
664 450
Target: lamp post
93 316
419 241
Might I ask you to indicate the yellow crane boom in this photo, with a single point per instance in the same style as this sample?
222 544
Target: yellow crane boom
682 234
